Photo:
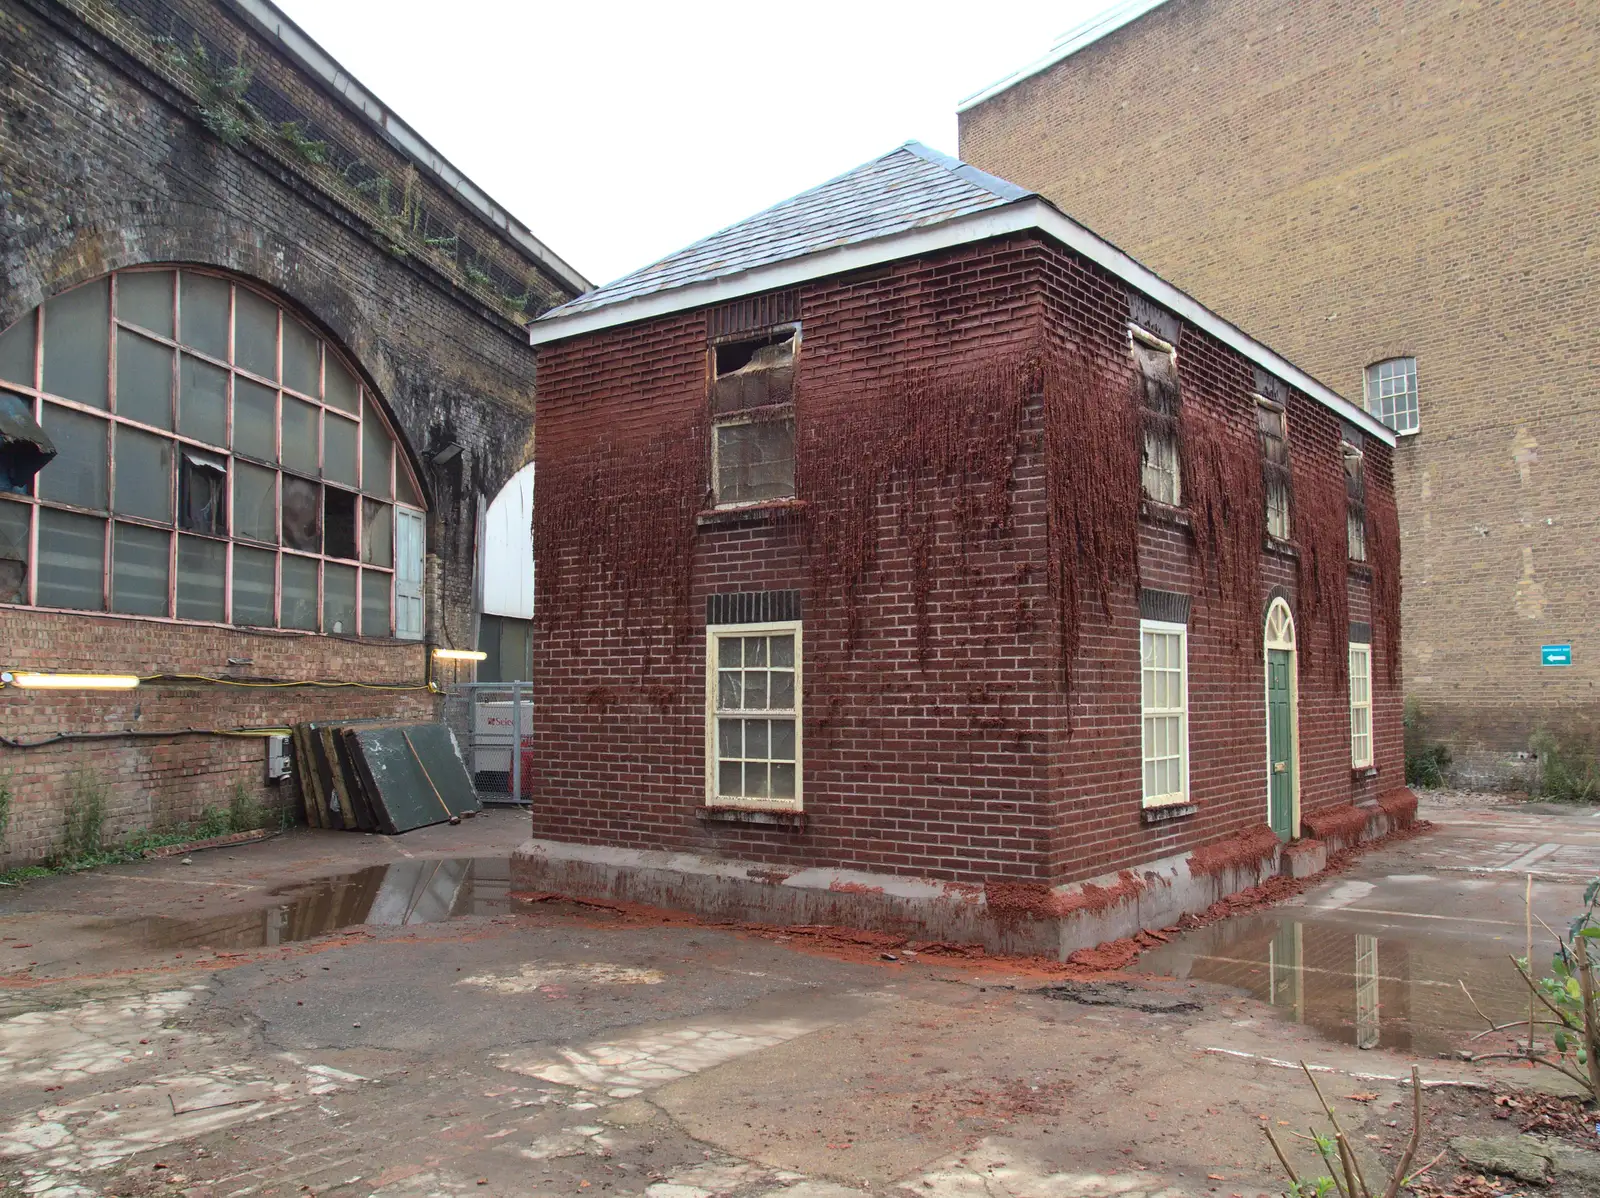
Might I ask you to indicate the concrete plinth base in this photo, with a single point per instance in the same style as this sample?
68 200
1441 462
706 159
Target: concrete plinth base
1303 858
1004 917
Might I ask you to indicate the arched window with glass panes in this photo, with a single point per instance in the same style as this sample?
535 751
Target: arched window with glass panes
214 460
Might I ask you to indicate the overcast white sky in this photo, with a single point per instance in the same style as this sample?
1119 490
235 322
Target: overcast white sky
620 132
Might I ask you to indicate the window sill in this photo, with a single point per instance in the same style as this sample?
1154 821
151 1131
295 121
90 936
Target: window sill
1163 513
1167 811
1280 548
781 817
1361 773
1358 569
750 513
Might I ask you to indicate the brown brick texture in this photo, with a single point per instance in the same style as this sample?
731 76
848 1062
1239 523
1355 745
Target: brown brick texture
1353 183
952 755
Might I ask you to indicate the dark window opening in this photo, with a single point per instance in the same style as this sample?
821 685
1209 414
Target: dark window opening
1272 422
1355 488
203 493
1157 366
339 522
14 519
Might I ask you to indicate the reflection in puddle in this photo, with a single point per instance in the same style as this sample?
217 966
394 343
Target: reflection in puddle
1357 988
406 892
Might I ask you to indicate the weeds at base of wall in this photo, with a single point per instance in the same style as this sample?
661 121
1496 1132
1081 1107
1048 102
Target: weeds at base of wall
83 845
1569 764
1426 762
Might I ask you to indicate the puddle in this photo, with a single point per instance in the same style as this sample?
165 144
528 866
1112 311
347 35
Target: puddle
1367 990
395 895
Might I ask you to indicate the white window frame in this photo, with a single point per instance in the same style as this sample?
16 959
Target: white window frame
1146 714
1362 706
714 632
1376 379
737 420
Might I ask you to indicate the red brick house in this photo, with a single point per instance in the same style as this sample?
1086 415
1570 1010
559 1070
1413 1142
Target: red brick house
911 556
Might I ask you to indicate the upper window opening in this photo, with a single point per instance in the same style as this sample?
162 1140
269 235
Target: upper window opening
1391 388
177 444
1157 363
1355 487
1272 422
752 408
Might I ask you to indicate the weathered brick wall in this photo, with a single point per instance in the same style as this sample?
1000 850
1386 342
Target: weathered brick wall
105 163
956 763
1352 183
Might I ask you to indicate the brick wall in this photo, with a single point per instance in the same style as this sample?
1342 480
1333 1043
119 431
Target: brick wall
1355 183
105 163
948 754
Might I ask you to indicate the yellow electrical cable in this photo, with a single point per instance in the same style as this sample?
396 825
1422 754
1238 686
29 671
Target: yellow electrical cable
321 683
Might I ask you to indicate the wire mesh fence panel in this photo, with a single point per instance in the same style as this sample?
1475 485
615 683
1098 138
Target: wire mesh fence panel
485 717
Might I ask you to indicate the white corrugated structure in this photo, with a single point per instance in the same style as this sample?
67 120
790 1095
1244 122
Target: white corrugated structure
508 549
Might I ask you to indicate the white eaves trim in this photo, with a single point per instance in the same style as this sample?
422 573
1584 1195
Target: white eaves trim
271 21
1068 44
1021 216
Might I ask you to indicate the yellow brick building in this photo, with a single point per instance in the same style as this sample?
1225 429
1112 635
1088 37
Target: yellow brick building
1359 186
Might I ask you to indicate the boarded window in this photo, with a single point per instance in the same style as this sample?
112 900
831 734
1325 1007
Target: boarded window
1273 424
1157 365
1355 486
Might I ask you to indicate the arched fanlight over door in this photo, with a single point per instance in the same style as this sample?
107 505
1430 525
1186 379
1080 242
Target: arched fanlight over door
1280 626
215 461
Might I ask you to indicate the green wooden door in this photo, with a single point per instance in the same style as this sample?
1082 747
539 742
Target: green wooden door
1280 743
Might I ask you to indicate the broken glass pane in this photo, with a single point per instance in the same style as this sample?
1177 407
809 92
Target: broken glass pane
376 453
377 534
255 420
302 516
203 401
140 558
339 450
16 352
203 493
14 519
144 475
72 561
255 503
144 379
299 435
25 448
338 523
299 592
201 565
77 475
203 316
144 298
255 333
339 599
300 357
343 392
77 340
253 583
755 461
374 603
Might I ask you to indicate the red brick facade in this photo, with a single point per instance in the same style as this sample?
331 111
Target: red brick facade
941 739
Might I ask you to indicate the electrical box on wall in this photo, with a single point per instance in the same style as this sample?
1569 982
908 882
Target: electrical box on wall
278 759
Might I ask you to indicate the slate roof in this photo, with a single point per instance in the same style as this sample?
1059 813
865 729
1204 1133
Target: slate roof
908 188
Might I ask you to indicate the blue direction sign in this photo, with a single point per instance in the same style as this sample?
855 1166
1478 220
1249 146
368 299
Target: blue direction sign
1555 655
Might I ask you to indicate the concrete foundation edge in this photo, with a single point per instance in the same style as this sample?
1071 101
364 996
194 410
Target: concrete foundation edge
1009 918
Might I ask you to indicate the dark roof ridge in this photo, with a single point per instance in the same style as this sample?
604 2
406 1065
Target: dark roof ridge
1002 188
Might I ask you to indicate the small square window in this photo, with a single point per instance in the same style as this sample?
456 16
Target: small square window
753 717
1391 388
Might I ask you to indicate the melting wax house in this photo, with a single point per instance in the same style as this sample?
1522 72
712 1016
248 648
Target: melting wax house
912 557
